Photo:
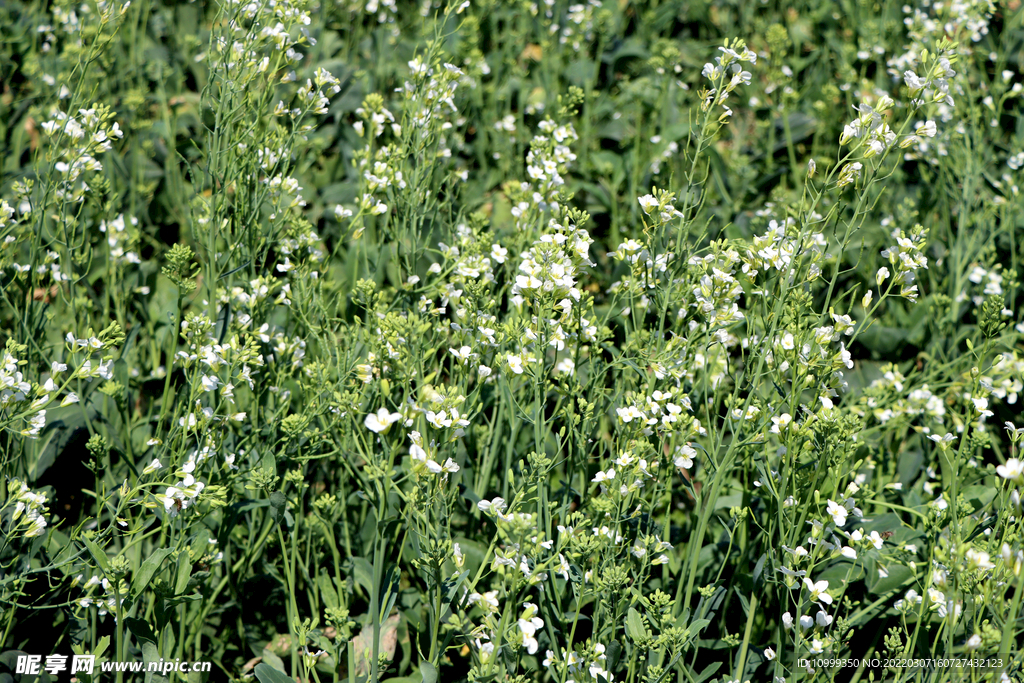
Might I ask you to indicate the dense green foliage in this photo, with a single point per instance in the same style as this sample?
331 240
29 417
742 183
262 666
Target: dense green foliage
512 341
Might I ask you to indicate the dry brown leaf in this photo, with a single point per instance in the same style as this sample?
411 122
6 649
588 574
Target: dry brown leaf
362 645
532 51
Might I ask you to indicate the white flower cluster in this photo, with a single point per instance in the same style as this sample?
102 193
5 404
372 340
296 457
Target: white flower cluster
549 157
905 258
717 292
730 62
580 22
551 264
263 34
221 368
305 246
386 11
182 495
587 664
933 86
285 191
244 304
313 93
78 140
991 281
870 128
473 257
374 115
121 239
29 508
18 396
50 266
430 97
423 460
645 272
662 410
105 603
942 18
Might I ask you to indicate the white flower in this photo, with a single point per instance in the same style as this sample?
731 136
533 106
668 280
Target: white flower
497 504
1013 470
528 627
981 405
838 513
648 203
175 501
462 353
380 422
979 560
684 457
448 467
781 422
817 591
515 364
769 654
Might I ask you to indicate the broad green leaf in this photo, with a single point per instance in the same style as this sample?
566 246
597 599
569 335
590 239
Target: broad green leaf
148 568
635 626
268 674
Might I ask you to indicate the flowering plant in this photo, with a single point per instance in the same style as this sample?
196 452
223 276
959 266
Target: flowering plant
423 341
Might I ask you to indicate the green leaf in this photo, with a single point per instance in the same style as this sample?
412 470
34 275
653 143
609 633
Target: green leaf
268 674
362 572
97 553
151 654
101 647
327 592
897 578
635 626
429 672
61 425
708 672
277 505
141 630
148 568
184 572
979 496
